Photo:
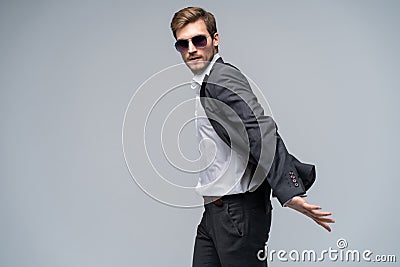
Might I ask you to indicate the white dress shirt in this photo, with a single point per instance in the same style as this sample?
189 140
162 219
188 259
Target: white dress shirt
225 172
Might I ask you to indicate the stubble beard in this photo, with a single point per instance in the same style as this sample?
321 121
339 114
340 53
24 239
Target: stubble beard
198 67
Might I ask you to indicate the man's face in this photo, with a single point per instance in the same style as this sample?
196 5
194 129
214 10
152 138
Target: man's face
197 59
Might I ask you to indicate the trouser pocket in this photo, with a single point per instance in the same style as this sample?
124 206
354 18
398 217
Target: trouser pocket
236 217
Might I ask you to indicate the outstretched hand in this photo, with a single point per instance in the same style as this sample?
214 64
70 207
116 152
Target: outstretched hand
312 211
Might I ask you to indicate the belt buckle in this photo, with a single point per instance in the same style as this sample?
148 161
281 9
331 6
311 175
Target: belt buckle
218 202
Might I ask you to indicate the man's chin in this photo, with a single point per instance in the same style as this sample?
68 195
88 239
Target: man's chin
197 67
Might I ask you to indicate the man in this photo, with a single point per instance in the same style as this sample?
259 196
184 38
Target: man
250 158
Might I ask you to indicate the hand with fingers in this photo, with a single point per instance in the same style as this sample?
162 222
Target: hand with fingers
312 211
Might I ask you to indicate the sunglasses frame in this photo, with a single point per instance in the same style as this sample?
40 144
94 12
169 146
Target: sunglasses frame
190 39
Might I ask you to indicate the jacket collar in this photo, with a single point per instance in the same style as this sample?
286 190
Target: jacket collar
204 83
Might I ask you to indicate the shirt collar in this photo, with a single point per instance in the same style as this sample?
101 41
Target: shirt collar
198 78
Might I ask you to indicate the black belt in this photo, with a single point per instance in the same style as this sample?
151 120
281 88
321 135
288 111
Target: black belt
257 196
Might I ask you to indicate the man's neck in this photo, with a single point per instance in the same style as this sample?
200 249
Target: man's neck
200 77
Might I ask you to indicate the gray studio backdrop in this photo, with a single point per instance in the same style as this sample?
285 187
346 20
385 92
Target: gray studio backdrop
68 69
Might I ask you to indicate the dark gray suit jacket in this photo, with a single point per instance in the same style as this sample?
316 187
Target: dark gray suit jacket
239 120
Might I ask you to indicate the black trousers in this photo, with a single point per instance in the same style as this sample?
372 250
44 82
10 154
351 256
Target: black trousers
232 231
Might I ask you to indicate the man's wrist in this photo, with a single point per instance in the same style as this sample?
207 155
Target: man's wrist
287 202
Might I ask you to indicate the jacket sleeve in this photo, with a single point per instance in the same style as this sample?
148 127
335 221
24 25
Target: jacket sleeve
227 96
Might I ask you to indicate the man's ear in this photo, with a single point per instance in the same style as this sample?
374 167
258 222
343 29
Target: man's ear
216 39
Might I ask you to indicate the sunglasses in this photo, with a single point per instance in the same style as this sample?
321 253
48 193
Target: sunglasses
199 41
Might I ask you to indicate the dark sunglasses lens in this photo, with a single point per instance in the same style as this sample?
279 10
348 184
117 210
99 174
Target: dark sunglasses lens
199 41
182 45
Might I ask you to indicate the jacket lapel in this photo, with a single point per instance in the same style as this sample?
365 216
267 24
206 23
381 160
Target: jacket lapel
204 83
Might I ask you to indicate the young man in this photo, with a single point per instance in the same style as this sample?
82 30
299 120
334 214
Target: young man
250 158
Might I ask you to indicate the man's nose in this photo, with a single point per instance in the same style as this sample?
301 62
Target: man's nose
191 48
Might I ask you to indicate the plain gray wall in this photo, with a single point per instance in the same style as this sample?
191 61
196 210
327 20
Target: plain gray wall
330 71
